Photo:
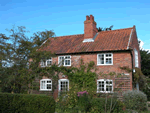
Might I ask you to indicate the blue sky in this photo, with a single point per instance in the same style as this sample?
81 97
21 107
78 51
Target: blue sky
66 17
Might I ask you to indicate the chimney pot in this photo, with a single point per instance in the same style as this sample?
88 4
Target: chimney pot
87 17
91 17
90 29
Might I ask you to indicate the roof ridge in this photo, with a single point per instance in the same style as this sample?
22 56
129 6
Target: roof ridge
118 29
69 35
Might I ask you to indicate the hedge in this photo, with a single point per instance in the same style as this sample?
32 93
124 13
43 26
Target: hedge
25 103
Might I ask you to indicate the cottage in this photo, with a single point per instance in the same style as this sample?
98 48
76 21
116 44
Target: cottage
110 50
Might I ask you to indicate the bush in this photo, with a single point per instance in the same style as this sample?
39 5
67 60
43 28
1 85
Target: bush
135 100
83 101
98 105
20 103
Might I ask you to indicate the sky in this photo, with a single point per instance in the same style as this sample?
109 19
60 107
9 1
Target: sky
66 17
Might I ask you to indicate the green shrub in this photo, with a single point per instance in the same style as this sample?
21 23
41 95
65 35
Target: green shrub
135 100
83 101
20 103
98 105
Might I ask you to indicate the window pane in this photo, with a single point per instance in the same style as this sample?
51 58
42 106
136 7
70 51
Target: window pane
49 81
61 60
101 86
108 61
64 85
49 63
66 62
67 57
107 82
42 63
101 59
110 82
102 89
48 86
41 85
110 88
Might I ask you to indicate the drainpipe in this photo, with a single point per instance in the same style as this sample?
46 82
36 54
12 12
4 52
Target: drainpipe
137 86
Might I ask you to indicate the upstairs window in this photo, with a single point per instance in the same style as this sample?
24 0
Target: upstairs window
49 62
46 85
46 63
136 58
42 63
64 60
105 59
104 86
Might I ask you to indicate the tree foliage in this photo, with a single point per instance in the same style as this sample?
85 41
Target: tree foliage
104 29
145 62
16 76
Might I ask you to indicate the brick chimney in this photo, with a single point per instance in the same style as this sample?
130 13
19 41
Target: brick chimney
90 29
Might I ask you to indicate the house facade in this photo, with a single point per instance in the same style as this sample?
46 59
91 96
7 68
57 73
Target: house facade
110 50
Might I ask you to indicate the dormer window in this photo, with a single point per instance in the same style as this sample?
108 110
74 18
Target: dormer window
64 60
136 58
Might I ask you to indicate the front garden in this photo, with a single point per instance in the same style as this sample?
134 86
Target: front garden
82 102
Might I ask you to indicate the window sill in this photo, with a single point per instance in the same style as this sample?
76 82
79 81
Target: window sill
104 64
45 66
65 65
104 92
45 90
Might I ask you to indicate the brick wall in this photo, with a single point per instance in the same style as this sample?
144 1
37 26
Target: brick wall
134 45
119 59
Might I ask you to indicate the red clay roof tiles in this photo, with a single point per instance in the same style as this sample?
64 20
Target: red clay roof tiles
105 41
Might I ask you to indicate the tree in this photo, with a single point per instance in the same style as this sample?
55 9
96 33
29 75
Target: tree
3 48
40 37
16 76
145 68
145 62
105 29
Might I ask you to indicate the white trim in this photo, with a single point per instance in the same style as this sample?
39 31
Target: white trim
59 63
136 58
105 59
42 63
44 42
60 83
45 89
129 39
48 60
45 63
104 80
88 40
125 74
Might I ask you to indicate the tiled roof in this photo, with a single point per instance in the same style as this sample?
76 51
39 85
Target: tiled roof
105 41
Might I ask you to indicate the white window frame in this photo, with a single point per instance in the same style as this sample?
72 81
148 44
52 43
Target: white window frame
48 60
45 89
104 80
45 63
59 62
104 58
136 58
42 64
62 80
